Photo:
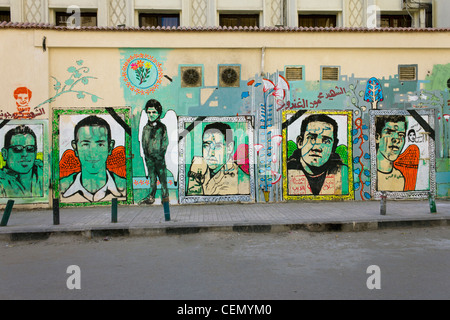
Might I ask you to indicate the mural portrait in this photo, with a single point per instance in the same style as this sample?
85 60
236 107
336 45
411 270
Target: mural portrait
317 155
215 159
92 156
23 161
402 153
158 140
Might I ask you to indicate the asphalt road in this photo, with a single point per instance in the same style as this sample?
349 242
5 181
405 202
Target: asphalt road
412 264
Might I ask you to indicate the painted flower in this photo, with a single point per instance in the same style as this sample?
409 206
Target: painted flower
140 63
134 66
148 65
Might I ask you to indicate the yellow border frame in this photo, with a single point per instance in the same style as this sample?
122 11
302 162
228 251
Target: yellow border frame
350 195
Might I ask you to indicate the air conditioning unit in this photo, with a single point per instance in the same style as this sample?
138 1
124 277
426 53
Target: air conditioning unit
191 77
229 76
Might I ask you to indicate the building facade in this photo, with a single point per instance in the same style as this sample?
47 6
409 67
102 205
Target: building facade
212 13
202 114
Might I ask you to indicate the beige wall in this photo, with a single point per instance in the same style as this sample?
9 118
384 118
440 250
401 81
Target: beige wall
24 63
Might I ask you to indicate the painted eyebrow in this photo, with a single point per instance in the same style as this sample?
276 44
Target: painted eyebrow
92 140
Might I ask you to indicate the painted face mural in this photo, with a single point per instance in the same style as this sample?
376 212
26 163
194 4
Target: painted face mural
217 169
316 163
317 144
215 149
22 173
396 165
152 114
22 96
93 161
391 140
93 146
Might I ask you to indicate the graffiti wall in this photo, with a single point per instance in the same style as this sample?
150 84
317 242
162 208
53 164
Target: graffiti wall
182 136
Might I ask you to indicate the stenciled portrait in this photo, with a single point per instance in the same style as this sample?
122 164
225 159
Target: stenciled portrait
24 167
215 159
402 153
92 151
317 155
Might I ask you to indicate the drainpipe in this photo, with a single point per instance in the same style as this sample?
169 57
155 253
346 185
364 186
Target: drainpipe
263 53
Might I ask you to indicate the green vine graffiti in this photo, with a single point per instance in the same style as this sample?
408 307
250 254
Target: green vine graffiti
77 76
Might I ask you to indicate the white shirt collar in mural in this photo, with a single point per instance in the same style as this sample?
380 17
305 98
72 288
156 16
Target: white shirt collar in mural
77 187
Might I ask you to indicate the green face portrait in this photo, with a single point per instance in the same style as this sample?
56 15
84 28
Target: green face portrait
214 148
391 140
317 143
93 148
21 154
152 114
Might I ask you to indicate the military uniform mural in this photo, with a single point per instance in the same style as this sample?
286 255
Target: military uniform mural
215 159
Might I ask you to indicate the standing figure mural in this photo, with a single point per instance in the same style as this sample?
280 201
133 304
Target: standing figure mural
22 173
154 144
93 165
219 167
317 156
402 161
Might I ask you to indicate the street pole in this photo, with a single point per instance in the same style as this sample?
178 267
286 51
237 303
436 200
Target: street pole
7 213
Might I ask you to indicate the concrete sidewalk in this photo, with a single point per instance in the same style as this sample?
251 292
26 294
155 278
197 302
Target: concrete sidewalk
256 217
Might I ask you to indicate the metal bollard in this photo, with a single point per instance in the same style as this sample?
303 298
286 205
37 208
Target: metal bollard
383 203
7 213
114 210
165 202
432 203
56 211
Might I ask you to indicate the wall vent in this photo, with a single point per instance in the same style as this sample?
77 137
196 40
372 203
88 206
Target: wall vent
191 77
229 76
330 73
294 73
407 73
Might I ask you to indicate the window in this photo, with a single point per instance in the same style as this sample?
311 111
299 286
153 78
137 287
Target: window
294 73
87 19
407 72
317 20
159 20
330 73
239 20
395 21
5 16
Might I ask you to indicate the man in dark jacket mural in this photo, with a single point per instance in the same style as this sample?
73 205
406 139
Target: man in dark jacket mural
154 143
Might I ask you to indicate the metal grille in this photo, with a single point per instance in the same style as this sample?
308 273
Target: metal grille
407 73
294 73
330 73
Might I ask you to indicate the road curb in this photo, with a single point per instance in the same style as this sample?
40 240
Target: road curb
142 231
